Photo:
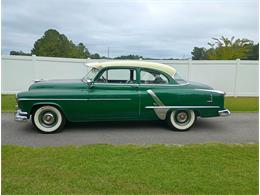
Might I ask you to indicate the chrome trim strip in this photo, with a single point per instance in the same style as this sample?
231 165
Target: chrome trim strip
141 84
155 97
110 99
168 107
166 85
117 84
61 99
211 90
161 113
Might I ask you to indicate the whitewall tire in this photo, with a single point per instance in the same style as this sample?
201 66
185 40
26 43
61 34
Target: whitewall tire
181 120
48 119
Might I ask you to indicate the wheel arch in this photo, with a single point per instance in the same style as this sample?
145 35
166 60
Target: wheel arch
39 104
197 112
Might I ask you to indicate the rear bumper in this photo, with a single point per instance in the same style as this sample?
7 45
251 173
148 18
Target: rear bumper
225 112
21 116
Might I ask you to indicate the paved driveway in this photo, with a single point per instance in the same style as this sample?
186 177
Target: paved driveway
238 128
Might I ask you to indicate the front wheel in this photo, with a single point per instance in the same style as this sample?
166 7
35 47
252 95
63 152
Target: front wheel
48 119
181 120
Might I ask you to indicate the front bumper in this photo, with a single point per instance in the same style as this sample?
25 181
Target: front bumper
21 116
225 112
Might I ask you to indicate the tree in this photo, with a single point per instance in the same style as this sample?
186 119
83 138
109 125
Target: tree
224 48
199 53
54 44
95 56
253 53
19 53
83 49
132 57
229 49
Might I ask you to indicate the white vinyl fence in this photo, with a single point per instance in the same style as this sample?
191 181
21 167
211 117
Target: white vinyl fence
235 77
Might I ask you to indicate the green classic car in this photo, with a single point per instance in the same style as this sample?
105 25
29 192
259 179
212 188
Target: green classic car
120 90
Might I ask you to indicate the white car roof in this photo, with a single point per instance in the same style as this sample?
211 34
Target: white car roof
133 63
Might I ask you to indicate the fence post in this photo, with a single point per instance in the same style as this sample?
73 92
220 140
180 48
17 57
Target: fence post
189 67
236 76
35 72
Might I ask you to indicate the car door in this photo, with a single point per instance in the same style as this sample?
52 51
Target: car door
114 95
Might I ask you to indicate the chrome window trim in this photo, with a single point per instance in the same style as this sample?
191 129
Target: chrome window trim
129 84
136 84
166 84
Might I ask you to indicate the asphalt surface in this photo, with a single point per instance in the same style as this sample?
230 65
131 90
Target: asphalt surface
237 128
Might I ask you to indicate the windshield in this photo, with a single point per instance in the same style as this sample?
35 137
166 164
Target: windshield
179 79
91 74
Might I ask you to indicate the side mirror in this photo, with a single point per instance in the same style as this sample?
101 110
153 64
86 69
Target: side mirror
90 83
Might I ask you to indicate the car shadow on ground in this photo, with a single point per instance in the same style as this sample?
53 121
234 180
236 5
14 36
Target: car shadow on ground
200 125
106 126
122 125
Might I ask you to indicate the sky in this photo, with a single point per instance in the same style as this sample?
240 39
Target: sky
150 28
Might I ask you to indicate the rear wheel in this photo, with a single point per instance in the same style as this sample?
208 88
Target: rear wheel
48 119
181 120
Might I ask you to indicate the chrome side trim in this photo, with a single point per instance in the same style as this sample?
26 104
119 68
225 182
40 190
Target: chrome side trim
168 107
110 99
61 99
155 97
211 90
161 113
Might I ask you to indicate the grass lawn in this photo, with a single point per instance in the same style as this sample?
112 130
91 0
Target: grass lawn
8 103
131 169
242 104
239 104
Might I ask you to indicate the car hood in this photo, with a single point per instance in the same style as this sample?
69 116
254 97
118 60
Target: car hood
197 85
57 84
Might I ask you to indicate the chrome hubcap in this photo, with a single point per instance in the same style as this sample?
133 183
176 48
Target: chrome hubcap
182 117
48 118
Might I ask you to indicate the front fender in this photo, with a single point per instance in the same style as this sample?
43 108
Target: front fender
36 104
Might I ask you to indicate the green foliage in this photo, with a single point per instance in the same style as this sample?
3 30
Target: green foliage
54 44
242 104
95 56
253 53
131 57
8 103
83 50
19 53
131 169
199 53
224 48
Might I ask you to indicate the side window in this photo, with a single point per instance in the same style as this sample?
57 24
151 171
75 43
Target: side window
118 76
153 77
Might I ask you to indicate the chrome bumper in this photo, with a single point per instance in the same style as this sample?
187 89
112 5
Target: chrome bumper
224 112
21 116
